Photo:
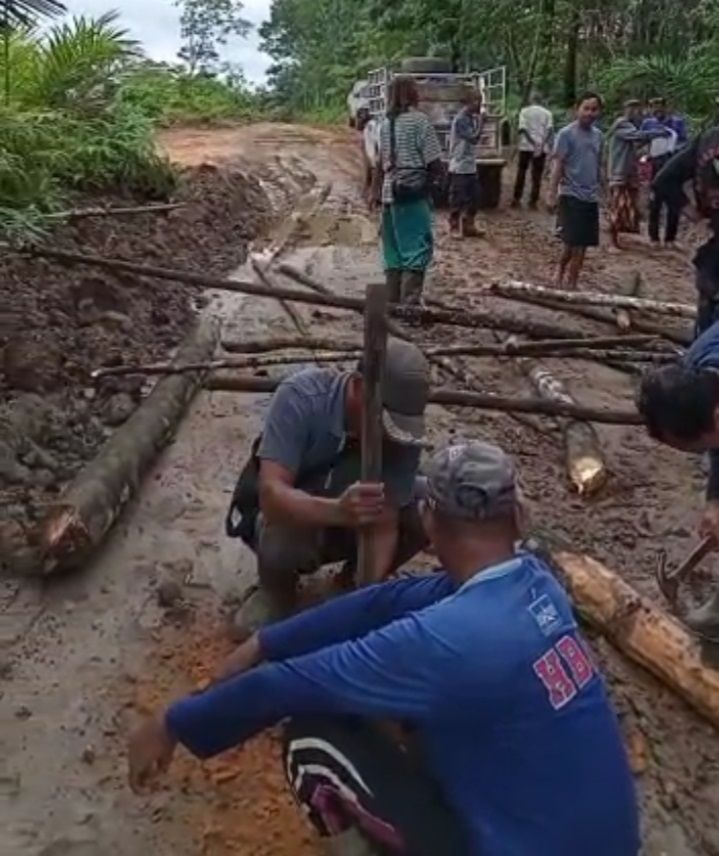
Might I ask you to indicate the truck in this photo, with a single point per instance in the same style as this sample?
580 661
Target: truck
441 91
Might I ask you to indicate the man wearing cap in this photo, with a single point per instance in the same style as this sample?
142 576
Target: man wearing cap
624 140
306 504
510 744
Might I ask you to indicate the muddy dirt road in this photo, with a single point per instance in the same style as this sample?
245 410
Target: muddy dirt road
83 656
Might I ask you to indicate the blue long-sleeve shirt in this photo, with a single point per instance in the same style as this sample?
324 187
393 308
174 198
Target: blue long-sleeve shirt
513 718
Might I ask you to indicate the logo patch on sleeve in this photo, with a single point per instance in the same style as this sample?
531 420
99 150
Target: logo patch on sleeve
545 613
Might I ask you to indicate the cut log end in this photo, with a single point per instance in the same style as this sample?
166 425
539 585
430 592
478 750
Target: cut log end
585 463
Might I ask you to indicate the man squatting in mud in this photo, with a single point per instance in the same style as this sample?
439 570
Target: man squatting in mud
504 740
298 503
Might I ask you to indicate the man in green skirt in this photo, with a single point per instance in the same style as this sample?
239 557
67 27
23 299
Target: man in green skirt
410 156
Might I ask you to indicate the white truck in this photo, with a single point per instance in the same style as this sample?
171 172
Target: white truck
440 96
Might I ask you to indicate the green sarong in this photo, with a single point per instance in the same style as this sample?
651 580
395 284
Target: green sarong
407 235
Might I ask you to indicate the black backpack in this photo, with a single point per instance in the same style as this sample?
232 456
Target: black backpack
706 177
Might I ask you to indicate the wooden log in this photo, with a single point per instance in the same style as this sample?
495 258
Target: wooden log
459 398
584 459
373 360
594 298
80 213
641 631
256 361
296 220
609 318
510 347
81 517
457 317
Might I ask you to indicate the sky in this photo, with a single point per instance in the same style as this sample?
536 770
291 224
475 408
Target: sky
155 23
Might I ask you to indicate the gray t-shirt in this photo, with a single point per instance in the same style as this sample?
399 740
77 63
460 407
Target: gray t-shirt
463 141
581 152
305 432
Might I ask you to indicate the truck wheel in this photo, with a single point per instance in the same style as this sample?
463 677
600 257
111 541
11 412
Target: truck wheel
426 65
490 185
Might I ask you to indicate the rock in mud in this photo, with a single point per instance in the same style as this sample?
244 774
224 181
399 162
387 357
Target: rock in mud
118 409
30 364
169 593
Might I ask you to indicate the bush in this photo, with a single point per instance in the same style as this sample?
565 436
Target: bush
172 96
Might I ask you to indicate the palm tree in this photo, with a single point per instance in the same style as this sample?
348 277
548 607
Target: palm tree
16 14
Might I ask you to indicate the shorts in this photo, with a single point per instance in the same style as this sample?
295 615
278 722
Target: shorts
578 222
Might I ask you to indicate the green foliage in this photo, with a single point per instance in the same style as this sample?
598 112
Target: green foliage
205 25
81 63
172 96
560 46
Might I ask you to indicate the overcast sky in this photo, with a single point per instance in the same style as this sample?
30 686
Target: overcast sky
155 24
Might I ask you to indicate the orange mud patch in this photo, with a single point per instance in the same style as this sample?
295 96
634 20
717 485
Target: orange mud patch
238 804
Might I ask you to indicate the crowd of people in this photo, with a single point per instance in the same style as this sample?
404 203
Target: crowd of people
460 712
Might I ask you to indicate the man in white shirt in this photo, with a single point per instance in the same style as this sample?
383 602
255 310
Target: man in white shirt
536 128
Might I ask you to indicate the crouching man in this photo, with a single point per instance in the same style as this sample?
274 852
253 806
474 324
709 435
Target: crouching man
510 744
299 502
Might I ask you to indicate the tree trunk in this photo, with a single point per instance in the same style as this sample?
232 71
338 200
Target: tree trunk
570 63
77 523
642 631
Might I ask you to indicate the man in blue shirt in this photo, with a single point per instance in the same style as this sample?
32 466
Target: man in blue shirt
513 748
680 405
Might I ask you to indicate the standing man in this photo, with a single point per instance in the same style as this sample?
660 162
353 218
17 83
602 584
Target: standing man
536 128
464 138
624 138
511 743
574 187
410 158
660 152
299 503
698 163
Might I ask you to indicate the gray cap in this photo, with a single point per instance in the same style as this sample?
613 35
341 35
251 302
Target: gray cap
405 389
472 481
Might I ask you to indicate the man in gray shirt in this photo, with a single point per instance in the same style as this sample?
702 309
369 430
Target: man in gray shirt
306 503
464 138
574 187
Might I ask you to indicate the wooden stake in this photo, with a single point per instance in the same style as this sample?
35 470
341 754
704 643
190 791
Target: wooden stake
594 298
458 398
79 213
375 347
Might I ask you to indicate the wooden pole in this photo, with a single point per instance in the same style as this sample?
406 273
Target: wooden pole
642 631
79 213
458 398
375 348
594 298
508 348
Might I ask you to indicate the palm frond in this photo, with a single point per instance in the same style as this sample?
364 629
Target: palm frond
24 13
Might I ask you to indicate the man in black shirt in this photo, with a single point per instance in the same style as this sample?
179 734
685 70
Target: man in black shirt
699 163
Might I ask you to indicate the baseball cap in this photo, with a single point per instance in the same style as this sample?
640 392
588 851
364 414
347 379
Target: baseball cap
471 481
405 389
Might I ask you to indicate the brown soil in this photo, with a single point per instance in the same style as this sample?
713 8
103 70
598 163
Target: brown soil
99 642
61 323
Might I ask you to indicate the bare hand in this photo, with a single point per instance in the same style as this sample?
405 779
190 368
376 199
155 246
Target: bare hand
362 504
551 204
149 752
709 521
245 657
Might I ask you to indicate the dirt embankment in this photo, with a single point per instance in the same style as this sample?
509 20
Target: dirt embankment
59 323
